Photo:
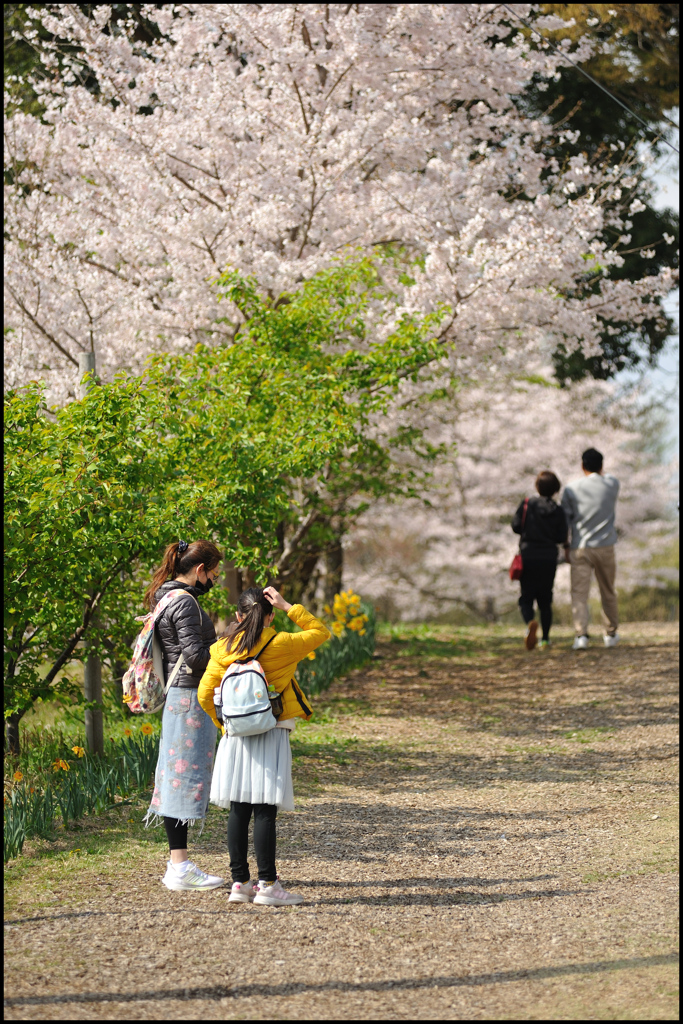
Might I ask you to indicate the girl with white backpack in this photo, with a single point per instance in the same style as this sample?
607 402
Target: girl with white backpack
188 738
253 773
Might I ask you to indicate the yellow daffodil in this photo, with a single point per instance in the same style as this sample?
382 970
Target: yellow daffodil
147 729
60 763
127 732
78 751
311 656
18 776
337 628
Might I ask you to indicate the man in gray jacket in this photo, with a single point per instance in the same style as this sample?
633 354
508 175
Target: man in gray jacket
589 506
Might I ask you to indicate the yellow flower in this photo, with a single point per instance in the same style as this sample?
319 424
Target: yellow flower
361 632
147 729
311 656
78 751
60 763
327 609
337 628
127 731
18 776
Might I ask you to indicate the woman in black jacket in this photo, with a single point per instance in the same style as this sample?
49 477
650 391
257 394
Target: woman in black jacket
182 781
542 526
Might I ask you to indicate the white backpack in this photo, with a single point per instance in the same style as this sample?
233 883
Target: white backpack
242 700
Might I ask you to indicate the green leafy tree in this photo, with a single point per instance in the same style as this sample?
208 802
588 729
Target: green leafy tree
228 443
635 57
331 322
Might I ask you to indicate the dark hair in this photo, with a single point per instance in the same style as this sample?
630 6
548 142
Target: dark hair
547 484
177 563
592 460
253 606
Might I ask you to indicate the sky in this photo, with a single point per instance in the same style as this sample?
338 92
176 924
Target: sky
664 379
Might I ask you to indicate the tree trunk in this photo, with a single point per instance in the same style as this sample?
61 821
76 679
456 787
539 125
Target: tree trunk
490 613
297 578
12 744
231 580
94 718
334 569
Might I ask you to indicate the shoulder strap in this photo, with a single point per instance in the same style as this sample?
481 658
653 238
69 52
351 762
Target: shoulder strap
265 645
526 505
174 673
254 657
163 604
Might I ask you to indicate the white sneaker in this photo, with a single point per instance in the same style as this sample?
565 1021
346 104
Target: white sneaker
275 896
187 876
580 643
611 641
242 892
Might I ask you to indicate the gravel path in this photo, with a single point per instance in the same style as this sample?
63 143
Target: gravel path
481 833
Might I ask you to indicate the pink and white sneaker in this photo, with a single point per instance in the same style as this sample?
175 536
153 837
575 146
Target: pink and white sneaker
242 892
275 896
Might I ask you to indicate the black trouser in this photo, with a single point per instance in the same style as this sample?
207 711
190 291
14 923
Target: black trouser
537 585
177 834
264 840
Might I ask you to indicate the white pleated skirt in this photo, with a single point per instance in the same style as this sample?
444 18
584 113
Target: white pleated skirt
254 770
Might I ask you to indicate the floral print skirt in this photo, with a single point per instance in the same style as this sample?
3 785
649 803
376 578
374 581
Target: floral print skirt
182 780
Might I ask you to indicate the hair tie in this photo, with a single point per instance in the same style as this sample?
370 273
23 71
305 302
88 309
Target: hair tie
182 547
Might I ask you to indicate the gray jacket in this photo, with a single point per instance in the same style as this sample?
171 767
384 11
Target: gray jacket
186 627
589 505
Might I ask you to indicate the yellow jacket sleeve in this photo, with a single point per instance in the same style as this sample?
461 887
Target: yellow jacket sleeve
209 681
294 647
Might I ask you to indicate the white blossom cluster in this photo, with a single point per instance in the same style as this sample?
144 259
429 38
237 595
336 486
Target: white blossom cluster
274 138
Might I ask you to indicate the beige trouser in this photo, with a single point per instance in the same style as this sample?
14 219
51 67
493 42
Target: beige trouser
583 562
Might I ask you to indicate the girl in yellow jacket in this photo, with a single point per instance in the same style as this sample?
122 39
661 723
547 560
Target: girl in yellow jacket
254 773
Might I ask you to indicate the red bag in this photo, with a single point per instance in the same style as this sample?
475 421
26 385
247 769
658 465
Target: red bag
517 564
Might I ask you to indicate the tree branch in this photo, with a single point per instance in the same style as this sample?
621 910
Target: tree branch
40 327
292 544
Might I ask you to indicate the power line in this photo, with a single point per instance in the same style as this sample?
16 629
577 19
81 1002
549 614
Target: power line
589 77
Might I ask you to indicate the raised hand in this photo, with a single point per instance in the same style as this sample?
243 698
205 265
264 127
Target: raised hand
276 599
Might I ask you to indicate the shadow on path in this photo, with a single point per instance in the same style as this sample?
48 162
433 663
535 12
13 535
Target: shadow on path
240 991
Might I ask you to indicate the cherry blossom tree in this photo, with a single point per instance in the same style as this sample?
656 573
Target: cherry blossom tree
271 137
455 553
270 140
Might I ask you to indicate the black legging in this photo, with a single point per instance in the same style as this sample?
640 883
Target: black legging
177 834
264 840
537 585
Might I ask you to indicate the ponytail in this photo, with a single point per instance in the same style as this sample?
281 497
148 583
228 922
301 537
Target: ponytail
179 558
253 606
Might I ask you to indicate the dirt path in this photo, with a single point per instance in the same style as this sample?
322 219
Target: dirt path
482 834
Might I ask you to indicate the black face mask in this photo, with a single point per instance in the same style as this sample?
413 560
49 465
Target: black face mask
203 588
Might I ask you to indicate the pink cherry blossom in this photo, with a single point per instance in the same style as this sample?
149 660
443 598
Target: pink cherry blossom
282 134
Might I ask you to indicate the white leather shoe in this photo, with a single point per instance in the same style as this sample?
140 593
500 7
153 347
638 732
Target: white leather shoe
580 643
611 641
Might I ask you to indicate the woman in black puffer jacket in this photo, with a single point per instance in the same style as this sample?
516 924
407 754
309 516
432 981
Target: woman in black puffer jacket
541 529
182 780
